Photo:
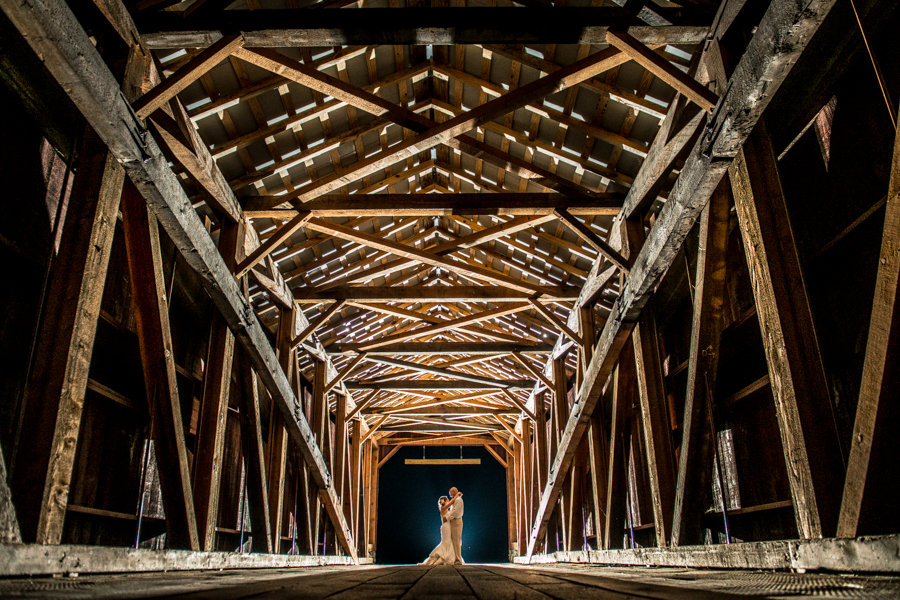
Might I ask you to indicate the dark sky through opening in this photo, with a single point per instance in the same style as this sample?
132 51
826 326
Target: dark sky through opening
408 520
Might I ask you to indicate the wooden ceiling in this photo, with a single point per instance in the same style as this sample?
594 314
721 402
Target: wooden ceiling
434 207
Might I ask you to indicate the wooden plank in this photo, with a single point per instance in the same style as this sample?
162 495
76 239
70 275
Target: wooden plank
152 312
432 25
663 69
186 75
348 368
616 477
444 348
434 293
436 205
340 450
780 38
796 373
530 369
207 467
80 70
598 455
693 484
867 494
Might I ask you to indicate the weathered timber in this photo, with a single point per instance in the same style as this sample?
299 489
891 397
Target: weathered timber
868 488
663 69
696 454
432 25
431 205
434 293
207 468
54 400
254 455
77 66
779 39
796 373
152 311
404 364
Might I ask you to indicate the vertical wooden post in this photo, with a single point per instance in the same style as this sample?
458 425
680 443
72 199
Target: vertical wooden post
528 491
660 453
207 473
561 417
54 398
797 377
598 454
355 478
511 521
695 459
870 490
254 456
373 501
623 395
277 445
319 419
154 335
340 454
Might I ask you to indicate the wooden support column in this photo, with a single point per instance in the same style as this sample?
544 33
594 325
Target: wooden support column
802 402
656 428
695 459
154 335
277 444
575 506
623 396
528 490
560 414
511 511
207 472
870 490
341 480
318 422
254 456
54 399
352 509
598 454
372 504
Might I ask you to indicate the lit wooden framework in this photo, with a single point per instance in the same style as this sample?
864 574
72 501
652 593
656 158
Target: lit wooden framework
445 225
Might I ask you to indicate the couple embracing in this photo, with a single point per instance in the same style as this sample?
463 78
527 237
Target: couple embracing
449 551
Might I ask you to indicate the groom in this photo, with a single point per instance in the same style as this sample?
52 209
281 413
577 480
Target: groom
454 515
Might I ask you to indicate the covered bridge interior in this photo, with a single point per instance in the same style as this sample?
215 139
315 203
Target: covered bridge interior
643 253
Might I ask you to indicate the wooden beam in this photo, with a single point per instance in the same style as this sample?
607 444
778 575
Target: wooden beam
438 384
207 468
432 25
388 456
592 239
446 131
81 71
663 69
448 325
404 364
796 373
865 499
186 75
616 478
519 404
555 321
534 372
693 482
272 242
436 205
412 253
443 348
660 453
345 372
254 456
316 323
145 268
780 38
471 411
54 401
435 293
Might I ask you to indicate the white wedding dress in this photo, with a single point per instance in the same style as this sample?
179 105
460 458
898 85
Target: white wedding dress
444 553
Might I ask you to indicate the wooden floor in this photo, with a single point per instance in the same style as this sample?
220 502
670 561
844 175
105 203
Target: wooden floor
578 582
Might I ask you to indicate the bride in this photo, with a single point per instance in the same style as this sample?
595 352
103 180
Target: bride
444 553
